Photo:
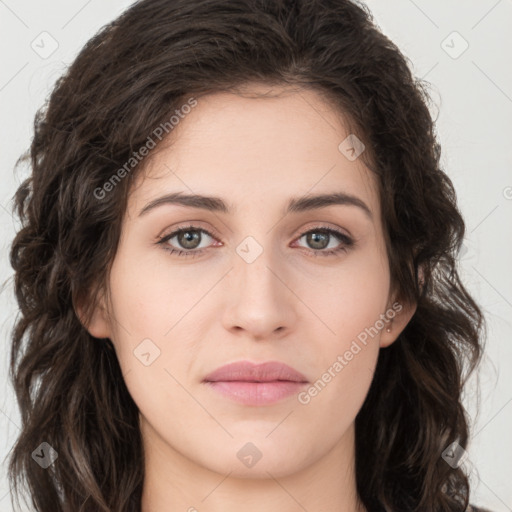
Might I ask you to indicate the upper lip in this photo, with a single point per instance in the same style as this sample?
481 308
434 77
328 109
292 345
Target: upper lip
250 372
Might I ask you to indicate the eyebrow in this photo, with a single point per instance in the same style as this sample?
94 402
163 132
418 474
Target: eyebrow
295 205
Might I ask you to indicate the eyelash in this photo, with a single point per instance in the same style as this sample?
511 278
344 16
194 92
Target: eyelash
347 242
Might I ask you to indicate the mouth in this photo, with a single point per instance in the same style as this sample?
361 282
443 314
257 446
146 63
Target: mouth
256 384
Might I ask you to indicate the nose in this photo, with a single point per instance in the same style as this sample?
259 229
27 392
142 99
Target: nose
261 300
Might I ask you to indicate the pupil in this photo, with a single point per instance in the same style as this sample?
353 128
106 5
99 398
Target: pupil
317 238
189 237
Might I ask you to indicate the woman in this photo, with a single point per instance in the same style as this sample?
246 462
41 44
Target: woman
236 272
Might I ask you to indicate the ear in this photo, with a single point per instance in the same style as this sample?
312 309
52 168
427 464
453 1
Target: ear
97 324
403 312
402 315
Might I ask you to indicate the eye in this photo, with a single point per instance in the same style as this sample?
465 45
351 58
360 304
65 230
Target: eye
189 238
319 238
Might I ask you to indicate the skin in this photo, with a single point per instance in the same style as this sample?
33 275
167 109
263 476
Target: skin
213 309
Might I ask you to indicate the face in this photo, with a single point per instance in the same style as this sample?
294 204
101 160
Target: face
255 281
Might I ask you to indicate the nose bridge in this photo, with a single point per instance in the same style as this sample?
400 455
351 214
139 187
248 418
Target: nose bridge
256 264
261 302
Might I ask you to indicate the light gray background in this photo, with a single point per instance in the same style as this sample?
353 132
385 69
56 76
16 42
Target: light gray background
473 92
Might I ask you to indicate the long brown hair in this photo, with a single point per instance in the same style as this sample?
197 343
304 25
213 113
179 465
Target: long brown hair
128 80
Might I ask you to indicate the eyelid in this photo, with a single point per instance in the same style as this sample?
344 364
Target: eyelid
192 225
197 225
320 225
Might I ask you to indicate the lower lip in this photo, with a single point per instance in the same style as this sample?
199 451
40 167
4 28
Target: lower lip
257 393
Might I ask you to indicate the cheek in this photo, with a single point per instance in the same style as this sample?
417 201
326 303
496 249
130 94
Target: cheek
150 295
347 353
337 393
148 315
349 300
154 305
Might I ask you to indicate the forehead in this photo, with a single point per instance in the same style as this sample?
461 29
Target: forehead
261 146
